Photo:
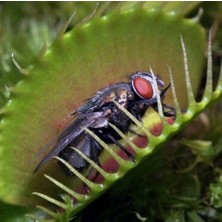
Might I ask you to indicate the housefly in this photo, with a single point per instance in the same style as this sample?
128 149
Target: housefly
136 95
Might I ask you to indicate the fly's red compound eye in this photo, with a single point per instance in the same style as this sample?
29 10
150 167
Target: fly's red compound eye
143 87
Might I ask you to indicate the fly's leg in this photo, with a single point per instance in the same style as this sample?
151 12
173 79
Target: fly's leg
136 110
94 154
131 156
95 151
135 133
171 112
135 114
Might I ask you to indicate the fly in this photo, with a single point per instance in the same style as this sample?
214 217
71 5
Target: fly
136 95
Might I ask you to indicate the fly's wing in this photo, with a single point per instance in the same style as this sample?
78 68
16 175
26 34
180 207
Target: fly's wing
102 97
74 130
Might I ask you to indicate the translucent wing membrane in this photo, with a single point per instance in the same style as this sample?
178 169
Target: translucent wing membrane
125 165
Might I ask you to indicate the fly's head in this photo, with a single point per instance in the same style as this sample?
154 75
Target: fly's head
143 85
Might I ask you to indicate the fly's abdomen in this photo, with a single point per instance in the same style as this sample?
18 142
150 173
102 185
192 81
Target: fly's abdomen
87 146
72 157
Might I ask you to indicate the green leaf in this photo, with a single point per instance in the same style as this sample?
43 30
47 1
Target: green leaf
11 213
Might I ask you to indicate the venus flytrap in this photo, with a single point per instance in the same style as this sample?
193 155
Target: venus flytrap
89 52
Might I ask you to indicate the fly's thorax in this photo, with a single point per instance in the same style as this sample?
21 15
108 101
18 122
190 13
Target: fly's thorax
109 97
100 123
122 97
131 95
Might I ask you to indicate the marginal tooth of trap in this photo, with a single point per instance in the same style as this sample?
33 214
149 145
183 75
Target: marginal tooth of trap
123 136
43 50
122 163
126 5
100 10
90 184
20 69
8 91
80 197
118 7
175 100
65 26
88 17
209 82
46 210
190 96
219 84
51 200
137 122
218 90
107 176
159 104
198 16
